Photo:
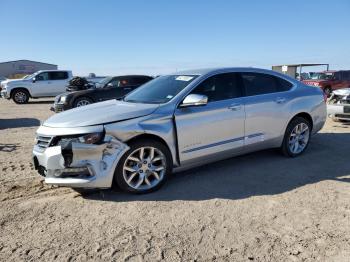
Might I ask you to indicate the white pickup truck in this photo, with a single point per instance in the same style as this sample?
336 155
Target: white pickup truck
45 83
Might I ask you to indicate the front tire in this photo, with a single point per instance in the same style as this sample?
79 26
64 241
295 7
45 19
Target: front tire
20 96
82 101
144 167
297 137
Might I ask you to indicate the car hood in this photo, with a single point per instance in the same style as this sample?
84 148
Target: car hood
342 92
100 113
15 81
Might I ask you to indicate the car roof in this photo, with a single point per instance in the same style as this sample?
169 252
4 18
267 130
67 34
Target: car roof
53 70
133 76
204 71
213 71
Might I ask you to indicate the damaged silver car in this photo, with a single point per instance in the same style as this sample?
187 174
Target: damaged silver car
338 107
176 122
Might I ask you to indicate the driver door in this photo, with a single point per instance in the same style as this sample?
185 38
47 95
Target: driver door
42 85
216 128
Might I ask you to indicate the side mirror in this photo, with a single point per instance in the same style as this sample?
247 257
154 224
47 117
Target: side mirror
194 100
34 80
109 85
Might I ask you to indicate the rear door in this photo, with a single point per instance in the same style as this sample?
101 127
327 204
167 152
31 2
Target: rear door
216 128
266 106
58 81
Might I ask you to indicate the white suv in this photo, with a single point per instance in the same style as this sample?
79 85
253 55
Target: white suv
46 83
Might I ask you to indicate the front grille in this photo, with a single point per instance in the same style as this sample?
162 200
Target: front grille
43 141
342 116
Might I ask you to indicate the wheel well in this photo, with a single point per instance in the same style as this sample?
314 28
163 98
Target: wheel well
305 116
152 137
19 88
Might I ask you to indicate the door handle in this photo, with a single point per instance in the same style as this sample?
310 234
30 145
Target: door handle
280 100
235 107
127 88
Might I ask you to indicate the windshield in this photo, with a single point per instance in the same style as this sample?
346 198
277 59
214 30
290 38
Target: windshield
160 90
28 76
105 81
321 76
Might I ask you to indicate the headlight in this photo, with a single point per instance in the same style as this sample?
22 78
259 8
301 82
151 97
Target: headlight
92 138
62 99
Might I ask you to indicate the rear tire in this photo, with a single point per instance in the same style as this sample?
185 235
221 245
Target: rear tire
144 168
297 137
82 101
20 96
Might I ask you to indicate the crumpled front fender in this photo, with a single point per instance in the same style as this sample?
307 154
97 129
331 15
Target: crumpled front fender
97 161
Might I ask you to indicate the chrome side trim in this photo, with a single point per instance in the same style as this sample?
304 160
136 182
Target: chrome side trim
214 144
223 142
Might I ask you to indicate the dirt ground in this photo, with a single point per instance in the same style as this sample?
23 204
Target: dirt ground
257 207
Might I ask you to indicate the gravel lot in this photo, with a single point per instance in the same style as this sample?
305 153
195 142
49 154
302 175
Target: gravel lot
257 207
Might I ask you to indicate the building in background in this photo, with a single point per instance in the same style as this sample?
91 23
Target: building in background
295 70
20 68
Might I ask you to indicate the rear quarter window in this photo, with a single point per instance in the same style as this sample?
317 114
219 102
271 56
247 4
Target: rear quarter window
283 85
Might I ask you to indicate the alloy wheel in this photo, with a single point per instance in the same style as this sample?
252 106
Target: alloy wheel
83 103
20 97
144 168
299 137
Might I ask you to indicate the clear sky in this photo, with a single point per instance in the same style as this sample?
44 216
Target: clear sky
160 36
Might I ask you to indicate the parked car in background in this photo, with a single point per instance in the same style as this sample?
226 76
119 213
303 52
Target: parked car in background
175 122
45 83
338 106
96 79
330 80
110 88
2 79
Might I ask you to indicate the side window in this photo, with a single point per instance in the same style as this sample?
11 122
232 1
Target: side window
114 82
124 82
220 87
59 75
337 76
283 85
120 82
259 84
42 77
346 75
137 81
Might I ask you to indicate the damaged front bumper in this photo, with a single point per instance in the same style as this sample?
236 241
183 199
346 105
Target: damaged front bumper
4 94
338 111
83 165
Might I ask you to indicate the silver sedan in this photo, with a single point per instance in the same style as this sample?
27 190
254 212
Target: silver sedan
176 122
